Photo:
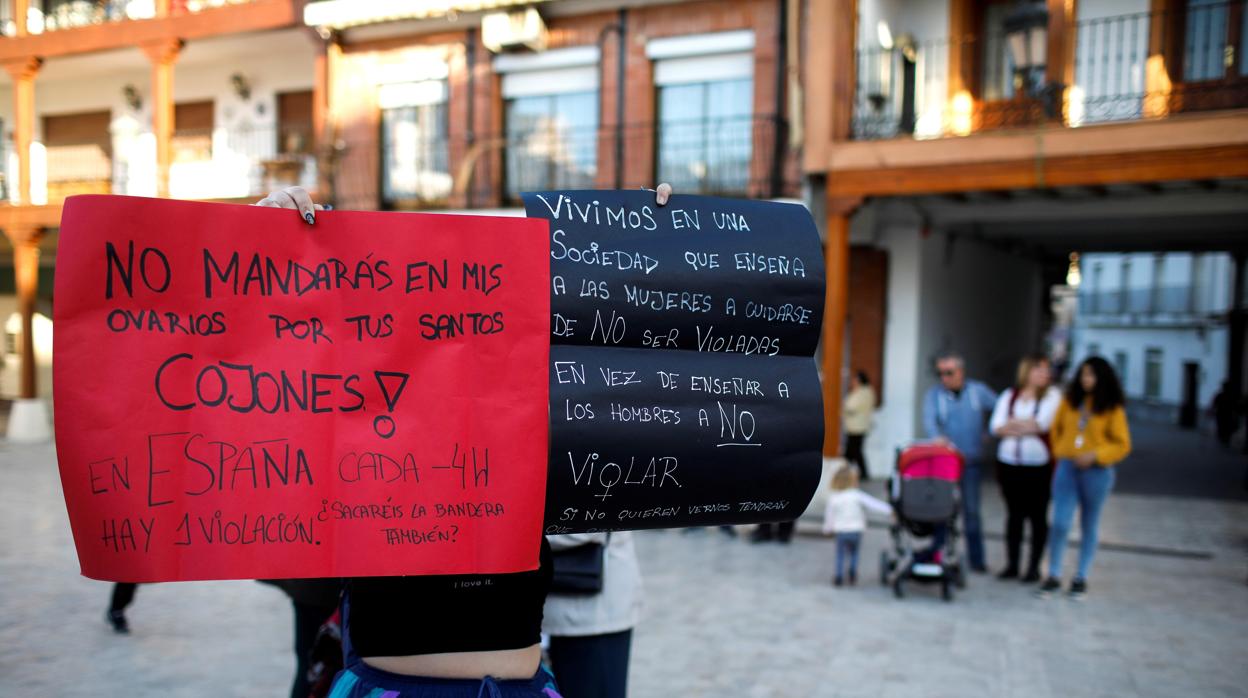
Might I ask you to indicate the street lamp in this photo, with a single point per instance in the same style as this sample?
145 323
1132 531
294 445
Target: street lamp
1027 32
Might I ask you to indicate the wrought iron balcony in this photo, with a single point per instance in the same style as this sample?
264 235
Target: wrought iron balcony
728 156
56 15
214 163
1133 66
1155 305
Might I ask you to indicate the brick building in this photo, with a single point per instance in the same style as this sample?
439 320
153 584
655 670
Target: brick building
195 99
465 109
962 150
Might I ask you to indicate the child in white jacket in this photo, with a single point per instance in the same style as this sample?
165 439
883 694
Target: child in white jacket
846 517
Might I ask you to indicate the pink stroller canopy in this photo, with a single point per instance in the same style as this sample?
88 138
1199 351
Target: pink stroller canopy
930 461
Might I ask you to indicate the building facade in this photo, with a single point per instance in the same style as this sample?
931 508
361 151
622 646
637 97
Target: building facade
965 148
438 108
1162 321
194 99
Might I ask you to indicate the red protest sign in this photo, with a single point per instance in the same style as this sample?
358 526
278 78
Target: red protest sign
240 395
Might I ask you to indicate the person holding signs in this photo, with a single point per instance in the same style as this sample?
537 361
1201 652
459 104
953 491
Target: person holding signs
1090 437
444 636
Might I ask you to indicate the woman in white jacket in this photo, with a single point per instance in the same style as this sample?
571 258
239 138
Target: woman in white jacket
591 635
1021 419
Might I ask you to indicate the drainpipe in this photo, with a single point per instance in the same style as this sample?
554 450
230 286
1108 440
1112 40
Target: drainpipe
470 135
620 64
621 31
778 140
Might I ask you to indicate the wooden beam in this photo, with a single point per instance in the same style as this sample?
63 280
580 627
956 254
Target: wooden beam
1218 162
258 15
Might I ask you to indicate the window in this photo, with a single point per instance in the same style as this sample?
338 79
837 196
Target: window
705 134
1152 373
1124 287
294 122
79 154
551 119
192 132
415 148
997 75
1195 290
705 111
1156 301
551 142
1098 271
1120 366
1205 41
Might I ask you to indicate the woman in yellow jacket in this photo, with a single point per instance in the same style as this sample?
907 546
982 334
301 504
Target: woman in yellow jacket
1089 437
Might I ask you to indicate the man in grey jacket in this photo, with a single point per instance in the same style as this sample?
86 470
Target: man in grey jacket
955 412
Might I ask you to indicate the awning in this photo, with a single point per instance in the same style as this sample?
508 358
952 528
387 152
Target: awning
340 14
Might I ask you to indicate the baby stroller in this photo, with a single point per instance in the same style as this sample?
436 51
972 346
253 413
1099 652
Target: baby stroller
925 496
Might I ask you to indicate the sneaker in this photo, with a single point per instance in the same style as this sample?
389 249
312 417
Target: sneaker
1078 590
1008 573
728 531
1049 586
117 619
837 581
760 536
853 578
1032 576
979 569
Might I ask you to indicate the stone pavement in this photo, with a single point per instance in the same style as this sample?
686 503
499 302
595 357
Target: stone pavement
723 617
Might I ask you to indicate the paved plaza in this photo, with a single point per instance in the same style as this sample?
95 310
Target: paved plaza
1167 616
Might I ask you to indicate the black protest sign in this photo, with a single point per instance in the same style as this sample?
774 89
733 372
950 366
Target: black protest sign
682 386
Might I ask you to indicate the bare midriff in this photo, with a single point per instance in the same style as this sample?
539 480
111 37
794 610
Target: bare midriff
501 664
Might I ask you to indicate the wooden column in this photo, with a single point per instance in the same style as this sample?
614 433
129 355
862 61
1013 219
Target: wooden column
835 314
831 78
21 8
163 55
23 72
323 128
1059 68
844 33
1164 50
25 241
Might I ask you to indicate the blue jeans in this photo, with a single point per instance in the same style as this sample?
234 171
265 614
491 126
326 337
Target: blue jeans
364 681
970 514
1088 488
847 547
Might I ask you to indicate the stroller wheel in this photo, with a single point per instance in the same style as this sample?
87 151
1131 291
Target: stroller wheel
897 590
946 590
885 568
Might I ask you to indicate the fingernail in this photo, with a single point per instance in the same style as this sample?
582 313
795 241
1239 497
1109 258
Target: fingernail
308 217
